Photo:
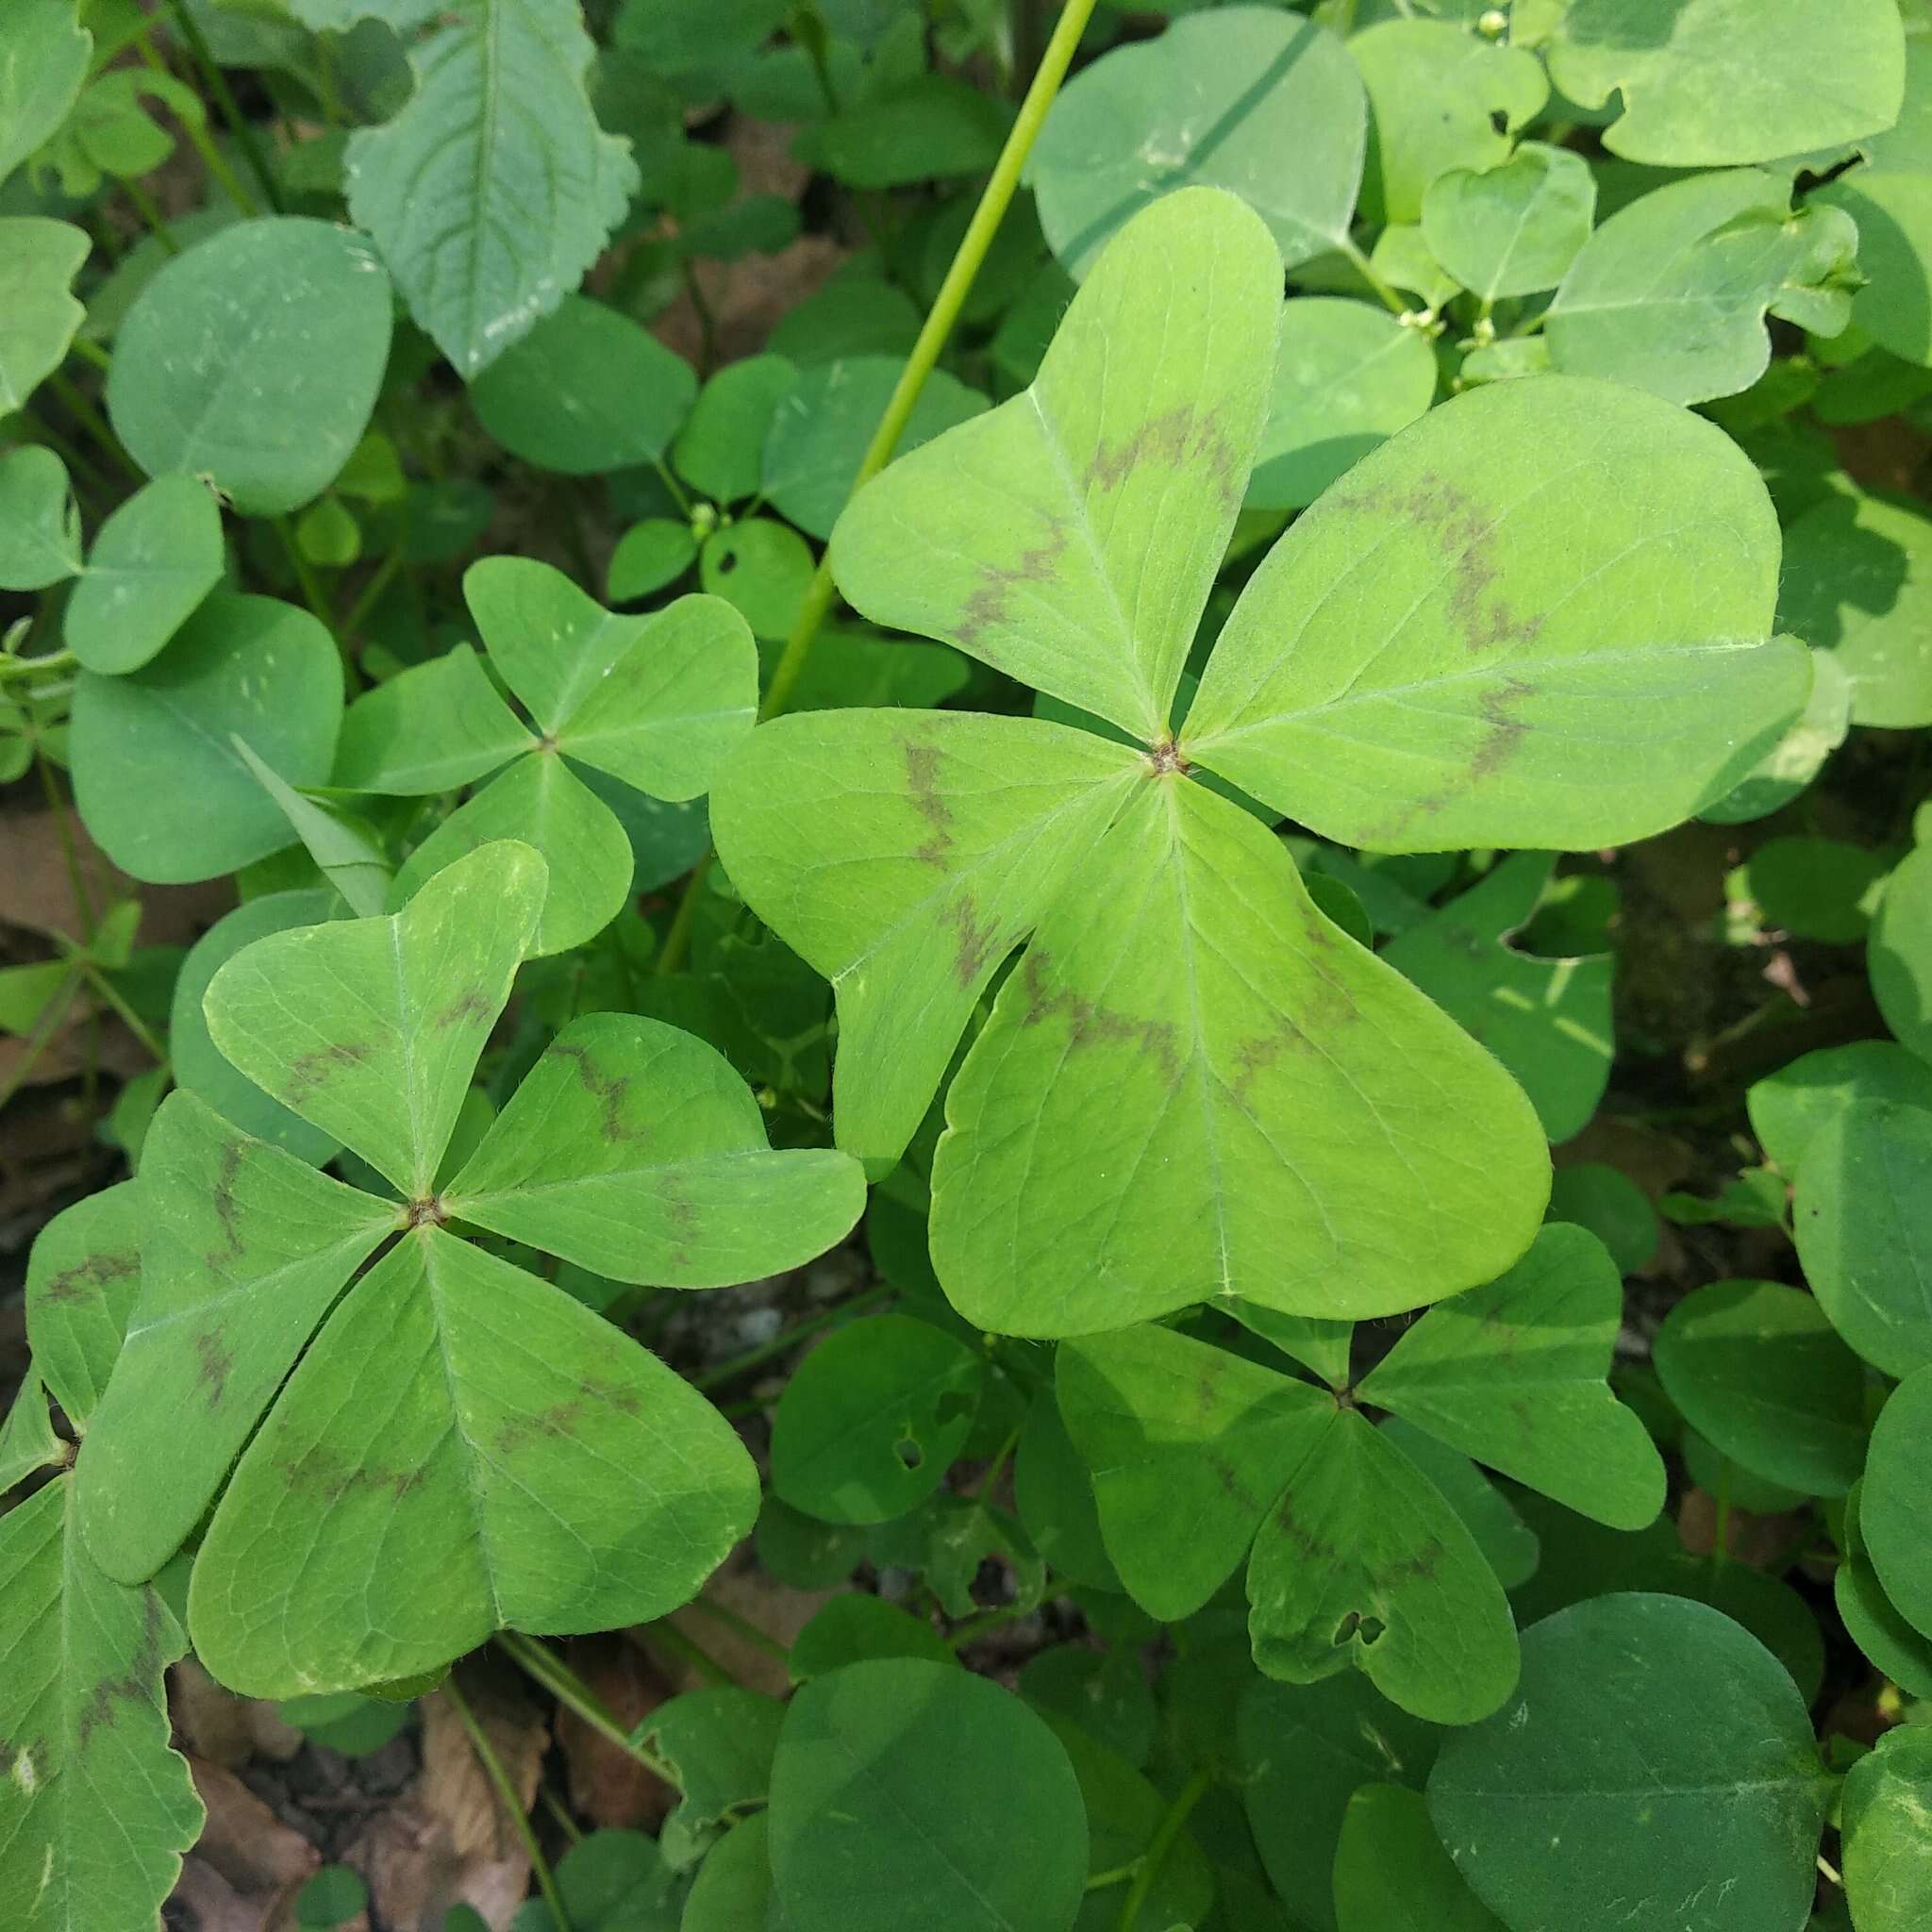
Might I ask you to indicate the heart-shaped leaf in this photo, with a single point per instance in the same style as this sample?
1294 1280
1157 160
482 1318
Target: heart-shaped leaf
39 259
154 560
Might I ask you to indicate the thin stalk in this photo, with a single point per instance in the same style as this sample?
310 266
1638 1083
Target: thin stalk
70 851
30 667
1160 1845
677 940
1114 1875
312 593
987 1621
547 1668
808 29
507 1795
708 322
127 1016
743 1629
944 312
89 352
91 419
149 210
559 1816
69 451
211 157
997 1467
667 1635
788 1339
672 484
370 595
1392 298
239 125
51 1016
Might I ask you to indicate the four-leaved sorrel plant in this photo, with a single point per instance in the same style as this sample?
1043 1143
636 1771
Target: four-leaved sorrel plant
1540 616
461 1446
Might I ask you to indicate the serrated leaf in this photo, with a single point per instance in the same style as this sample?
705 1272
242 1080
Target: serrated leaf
39 527
152 562
513 1457
1473 638
1514 229
253 359
243 1247
1655 1756
42 64
1244 98
1512 1373
493 189
635 1151
371 1029
39 260
1672 293
1548 1021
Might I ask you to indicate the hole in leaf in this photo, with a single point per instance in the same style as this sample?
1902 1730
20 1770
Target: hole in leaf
1499 121
727 562
1369 1629
908 1452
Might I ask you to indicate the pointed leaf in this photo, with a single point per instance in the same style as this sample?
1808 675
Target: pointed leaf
243 1247
96 1810
82 1276
39 260
635 1151
39 527
1362 1562
370 1028
1512 1373
27 1440
1069 538
1187 1446
429 728
1537 617
464 1448
345 849
905 858
1215 1084
152 563
493 189
542 802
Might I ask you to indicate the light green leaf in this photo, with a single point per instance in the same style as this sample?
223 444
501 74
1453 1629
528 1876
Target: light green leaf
1510 1546
1363 1562
1799 755
1392 1873
1069 538
1512 1373
43 60
1512 229
1900 955
1654 1759
1246 98
1548 1021
635 1151
370 1028
719 448
1758 1368
1862 1216
243 1247
1712 83
586 391
1475 638
1188 1446
647 557
82 1276
1789 1106
39 260
27 1441
1217 1084
1857 583
96 1810
252 360
1895 1504
1888 1848
39 527
1321 1346
872 1419
720 1742
345 849
954 832
1893 213
893 1796
936 126
821 428
462 1447
762 569
1671 292
155 775
542 803
429 728
1438 99
1346 377
493 189
152 562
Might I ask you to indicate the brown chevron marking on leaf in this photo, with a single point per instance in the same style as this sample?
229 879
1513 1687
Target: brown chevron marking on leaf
317 1067
990 604
1178 435
922 777
74 1284
214 1363
1092 1025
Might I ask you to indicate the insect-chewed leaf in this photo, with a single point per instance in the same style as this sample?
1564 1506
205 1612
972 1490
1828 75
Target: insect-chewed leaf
1187 1446
243 1249
634 1149
1363 1562
96 1810
1070 535
1537 617
1512 1373
493 189
905 856
463 1447
370 1028
1218 1086
1655 1759
39 259
81 1280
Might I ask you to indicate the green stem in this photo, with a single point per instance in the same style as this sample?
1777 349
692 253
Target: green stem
91 419
743 1629
677 940
997 1468
70 851
239 127
89 352
547 1668
972 1631
672 484
312 592
370 595
708 322
666 1636
943 314
149 210
789 1338
507 1795
1160 1845
29 667
128 1016
1114 1875
1392 298
51 1016
211 157
808 29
